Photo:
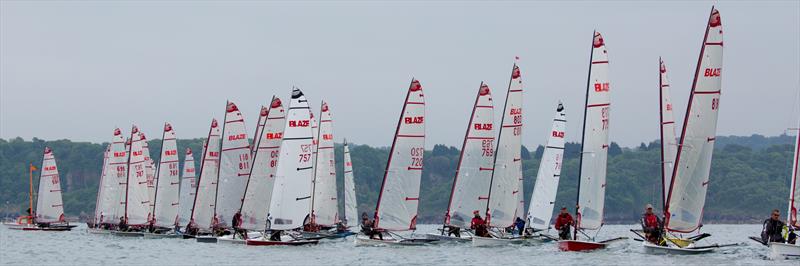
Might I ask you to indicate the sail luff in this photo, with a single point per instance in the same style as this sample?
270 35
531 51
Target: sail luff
690 175
474 170
669 147
794 193
540 210
398 200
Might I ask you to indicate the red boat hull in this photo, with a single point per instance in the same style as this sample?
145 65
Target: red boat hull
576 245
253 242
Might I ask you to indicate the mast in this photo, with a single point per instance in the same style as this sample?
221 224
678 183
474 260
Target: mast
791 215
661 70
583 140
667 128
134 130
692 187
30 192
158 173
315 167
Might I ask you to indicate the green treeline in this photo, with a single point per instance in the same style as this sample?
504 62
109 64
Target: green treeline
749 176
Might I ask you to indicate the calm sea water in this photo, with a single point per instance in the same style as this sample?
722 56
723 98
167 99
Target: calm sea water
80 247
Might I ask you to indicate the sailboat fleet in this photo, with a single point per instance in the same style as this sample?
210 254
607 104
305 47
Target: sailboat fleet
281 188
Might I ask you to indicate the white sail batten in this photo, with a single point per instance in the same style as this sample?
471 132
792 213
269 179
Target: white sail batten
594 148
203 207
687 195
188 187
471 184
234 168
291 196
49 204
399 196
543 199
325 206
137 207
669 144
258 194
350 202
503 198
167 181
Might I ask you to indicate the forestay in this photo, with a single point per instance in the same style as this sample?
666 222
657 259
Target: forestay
669 144
167 181
687 195
203 207
399 196
137 207
291 196
543 199
117 187
49 205
234 168
350 203
471 184
325 207
188 187
503 198
594 148
258 194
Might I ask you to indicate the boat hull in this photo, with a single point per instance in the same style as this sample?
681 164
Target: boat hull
651 248
478 241
98 231
362 240
255 242
159 236
206 239
781 251
127 234
446 238
577 245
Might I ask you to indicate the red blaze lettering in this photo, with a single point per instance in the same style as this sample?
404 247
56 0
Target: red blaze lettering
213 154
515 111
414 120
327 136
558 134
479 126
50 168
298 123
272 135
601 87
712 72
137 153
236 137
171 152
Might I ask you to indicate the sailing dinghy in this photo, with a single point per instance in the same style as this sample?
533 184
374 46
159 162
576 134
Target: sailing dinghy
112 184
291 195
166 206
234 172
187 189
201 218
502 199
540 211
258 191
49 213
137 212
98 208
683 206
350 203
396 210
777 250
594 153
471 183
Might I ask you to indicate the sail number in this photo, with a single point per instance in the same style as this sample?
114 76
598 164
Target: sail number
244 161
516 115
416 157
273 155
604 117
487 148
305 152
714 103
55 180
173 169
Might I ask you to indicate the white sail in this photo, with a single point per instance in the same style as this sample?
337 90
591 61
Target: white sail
167 181
503 198
314 146
234 168
262 120
258 194
203 206
543 198
687 195
102 194
471 184
669 144
325 206
399 197
49 206
519 212
594 153
292 192
137 207
794 192
117 187
350 202
150 173
188 187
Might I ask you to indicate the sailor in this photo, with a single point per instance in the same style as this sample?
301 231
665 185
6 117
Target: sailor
123 224
651 225
520 225
772 228
563 222
236 223
479 225
367 227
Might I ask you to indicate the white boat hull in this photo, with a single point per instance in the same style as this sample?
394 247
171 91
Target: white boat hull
228 239
651 248
98 231
159 236
362 240
478 241
781 251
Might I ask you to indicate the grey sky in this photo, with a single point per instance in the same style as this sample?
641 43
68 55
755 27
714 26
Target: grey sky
77 69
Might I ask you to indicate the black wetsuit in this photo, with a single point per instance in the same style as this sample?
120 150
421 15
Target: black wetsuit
771 231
